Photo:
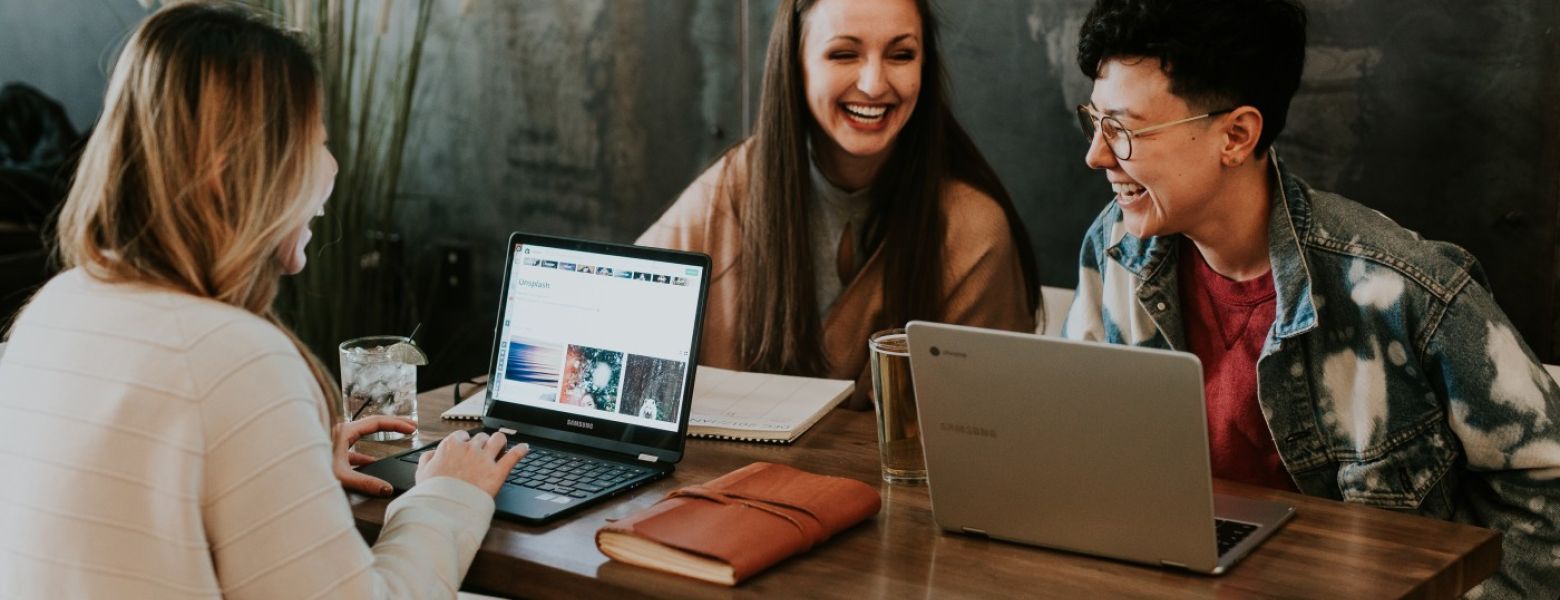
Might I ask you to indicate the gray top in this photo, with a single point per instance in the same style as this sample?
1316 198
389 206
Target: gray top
832 210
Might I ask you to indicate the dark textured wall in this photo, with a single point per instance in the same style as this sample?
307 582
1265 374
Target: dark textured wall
587 117
64 48
568 117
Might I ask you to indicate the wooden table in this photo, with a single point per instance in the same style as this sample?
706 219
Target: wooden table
1330 550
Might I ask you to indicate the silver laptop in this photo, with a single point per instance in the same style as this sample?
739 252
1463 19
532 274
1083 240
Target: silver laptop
1093 448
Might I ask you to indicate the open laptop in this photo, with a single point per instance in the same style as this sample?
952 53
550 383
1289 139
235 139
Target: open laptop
1093 448
592 365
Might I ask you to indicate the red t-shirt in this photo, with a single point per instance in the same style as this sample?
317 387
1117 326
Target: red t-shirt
1226 323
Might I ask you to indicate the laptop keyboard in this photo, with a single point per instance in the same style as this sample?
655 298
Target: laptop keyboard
563 473
1230 533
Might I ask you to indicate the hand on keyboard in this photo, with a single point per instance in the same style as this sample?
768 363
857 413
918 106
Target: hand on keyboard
479 460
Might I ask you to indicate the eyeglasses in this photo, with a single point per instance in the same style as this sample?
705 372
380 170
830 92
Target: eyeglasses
1117 136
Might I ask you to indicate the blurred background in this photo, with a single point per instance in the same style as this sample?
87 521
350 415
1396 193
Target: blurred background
587 117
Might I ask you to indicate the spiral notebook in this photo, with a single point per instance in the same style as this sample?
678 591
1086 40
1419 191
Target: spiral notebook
758 407
734 405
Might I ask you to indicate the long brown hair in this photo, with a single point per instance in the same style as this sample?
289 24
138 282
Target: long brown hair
782 329
194 175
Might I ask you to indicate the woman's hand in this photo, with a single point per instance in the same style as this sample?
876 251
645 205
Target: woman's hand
475 460
348 434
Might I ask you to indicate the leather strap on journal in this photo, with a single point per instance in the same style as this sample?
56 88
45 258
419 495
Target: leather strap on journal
753 517
808 526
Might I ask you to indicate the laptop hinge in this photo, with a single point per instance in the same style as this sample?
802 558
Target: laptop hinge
1173 564
649 457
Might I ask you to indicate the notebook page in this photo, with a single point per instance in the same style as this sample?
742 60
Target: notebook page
761 402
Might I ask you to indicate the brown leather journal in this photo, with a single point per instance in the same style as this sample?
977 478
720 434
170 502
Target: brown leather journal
740 523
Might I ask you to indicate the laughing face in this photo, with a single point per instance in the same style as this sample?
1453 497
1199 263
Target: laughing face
1169 184
862 63
316 191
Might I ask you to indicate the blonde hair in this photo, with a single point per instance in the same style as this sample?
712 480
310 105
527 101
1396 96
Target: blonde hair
194 176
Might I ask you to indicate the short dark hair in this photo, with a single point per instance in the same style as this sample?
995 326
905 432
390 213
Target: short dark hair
1217 53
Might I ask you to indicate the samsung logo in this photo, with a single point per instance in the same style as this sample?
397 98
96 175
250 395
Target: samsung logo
969 430
580 424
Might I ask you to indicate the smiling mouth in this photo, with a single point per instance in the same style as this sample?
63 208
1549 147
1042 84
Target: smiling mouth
865 113
1128 192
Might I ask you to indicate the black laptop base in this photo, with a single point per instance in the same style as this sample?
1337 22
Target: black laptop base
551 482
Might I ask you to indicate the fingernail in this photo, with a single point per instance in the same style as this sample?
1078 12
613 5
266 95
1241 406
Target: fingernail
385 490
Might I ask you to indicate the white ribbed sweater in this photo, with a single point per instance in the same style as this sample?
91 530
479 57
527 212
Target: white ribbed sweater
158 445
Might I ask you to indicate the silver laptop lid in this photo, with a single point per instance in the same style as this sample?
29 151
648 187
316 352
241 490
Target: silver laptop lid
1085 447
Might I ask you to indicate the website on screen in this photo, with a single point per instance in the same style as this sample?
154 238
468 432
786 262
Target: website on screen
597 335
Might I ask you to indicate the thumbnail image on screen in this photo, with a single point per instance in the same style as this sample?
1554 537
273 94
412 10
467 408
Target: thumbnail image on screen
534 366
591 377
652 388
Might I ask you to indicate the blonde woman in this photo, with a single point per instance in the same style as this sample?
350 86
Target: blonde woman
161 434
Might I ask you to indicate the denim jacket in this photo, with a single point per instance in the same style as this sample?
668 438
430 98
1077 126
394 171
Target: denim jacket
1389 377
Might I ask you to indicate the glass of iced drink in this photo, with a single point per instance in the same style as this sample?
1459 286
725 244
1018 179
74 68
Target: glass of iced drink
379 377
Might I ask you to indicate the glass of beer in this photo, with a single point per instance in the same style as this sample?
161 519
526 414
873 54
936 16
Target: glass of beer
893 398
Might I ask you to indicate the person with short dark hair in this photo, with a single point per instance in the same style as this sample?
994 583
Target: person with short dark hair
1343 356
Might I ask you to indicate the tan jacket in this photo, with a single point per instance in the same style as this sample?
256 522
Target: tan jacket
981 273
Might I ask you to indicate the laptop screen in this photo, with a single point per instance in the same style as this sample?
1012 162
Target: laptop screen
598 340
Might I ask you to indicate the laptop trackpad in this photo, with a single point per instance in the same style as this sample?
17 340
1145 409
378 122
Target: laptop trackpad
531 503
399 474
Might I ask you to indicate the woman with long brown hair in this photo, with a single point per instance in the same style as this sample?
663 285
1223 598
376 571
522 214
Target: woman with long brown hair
859 203
162 434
